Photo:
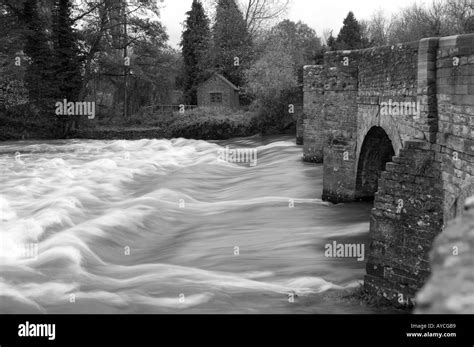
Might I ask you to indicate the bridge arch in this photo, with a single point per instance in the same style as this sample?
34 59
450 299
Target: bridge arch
376 150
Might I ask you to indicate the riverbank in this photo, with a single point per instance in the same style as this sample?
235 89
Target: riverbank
15 127
199 124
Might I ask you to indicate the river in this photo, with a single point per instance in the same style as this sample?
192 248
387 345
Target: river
162 226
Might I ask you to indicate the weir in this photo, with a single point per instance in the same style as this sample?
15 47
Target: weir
417 167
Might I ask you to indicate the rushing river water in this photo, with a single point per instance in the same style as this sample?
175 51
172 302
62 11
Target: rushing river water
159 226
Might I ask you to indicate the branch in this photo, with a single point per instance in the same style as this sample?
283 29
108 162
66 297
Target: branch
86 13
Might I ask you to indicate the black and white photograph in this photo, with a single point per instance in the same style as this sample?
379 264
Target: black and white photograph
252 158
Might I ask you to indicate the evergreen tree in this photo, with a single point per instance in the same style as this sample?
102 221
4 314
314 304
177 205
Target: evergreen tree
67 62
331 43
350 36
195 46
54 71
39 74
232 43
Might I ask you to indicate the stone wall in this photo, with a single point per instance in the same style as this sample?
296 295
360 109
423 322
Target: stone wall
455 103
300 127
340 122
415 162
406 217
388 75
313 125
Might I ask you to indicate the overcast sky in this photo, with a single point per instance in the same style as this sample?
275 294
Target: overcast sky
318 14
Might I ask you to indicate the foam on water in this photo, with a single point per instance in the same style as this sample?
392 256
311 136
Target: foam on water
129 226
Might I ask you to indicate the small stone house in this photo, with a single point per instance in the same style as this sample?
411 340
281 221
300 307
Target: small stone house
218 91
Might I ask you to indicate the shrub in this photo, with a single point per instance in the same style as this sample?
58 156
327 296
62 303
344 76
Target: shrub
12 93
208 123
24 121
274 115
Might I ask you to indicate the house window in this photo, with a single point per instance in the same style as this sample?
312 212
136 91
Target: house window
216 98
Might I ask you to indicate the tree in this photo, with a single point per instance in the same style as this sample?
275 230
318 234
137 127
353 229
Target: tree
231 42
460 15
67 58
39 76
275 78
259 15
61 57
469 25
67 62
297 45
12 64
350 36
296 39
153 64
195 44
330 40
414 23
377 29
272 74
439 18
273 83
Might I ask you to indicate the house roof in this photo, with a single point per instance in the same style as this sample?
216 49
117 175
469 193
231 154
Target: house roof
225 80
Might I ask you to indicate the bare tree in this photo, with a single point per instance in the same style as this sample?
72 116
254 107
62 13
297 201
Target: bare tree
258 14
377 30
440 18
416 22
460 14
436 17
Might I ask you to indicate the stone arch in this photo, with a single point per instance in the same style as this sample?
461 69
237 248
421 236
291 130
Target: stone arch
376 150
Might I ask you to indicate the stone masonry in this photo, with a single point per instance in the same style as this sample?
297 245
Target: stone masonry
395 124
450 288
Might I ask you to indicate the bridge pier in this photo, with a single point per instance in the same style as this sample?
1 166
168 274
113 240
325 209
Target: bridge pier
406 218
313 103
339 183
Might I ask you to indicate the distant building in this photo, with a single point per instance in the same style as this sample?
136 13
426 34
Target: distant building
218 91
177 97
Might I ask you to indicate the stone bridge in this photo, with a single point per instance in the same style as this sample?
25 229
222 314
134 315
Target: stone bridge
395 125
